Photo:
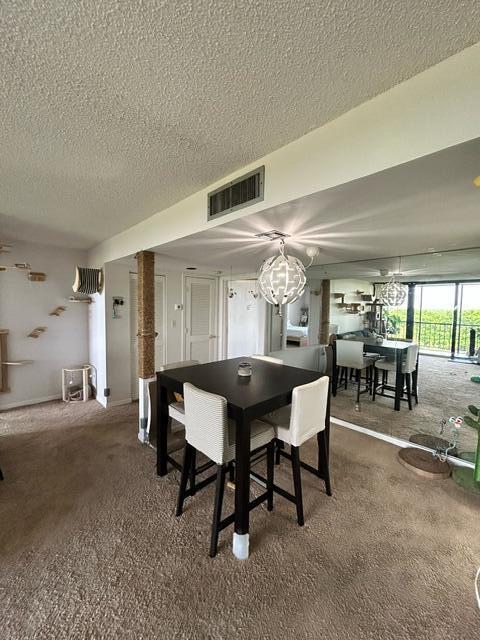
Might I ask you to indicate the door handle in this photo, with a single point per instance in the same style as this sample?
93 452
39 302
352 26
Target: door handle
213 336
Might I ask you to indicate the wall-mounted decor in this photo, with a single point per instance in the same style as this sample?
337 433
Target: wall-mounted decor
37 276
37 332
57 311
88 280
118 301
5 363
85 300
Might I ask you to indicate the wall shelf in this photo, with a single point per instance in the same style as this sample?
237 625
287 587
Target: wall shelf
37 332
84 300
57 311
16 363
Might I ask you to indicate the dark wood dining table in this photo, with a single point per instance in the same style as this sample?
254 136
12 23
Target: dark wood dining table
392 349
269 387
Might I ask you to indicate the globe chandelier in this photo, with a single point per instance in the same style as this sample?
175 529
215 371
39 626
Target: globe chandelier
282 277
393 293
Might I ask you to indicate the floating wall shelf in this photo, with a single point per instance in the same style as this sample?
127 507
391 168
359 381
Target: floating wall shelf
37 332
17 363
57 311
37 276
85 300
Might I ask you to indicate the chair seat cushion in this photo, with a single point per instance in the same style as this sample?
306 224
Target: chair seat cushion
386 365
176 410
261 434
280 420
367 362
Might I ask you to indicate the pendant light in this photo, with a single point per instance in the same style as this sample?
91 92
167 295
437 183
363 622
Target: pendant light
282 277
393 293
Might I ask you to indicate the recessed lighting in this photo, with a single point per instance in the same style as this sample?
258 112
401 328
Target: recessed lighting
272 235
476 181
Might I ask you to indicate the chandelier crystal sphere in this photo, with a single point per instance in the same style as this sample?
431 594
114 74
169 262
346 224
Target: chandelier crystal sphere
282 278
393 293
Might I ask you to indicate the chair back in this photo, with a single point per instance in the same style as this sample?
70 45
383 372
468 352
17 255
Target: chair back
206 423
308 410
257 356
411 358
350 353
178 365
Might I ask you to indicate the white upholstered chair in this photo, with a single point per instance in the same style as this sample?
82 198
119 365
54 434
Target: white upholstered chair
297 423
208 429
350 356
409 367
176 408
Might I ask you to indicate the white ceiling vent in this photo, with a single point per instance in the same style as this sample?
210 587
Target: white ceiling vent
237 194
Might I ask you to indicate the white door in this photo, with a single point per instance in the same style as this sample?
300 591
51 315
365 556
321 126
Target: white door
200 319
160 340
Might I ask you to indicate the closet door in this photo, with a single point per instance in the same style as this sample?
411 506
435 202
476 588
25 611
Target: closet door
160 325
200 319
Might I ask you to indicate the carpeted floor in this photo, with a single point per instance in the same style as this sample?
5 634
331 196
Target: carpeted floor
445 390
90 548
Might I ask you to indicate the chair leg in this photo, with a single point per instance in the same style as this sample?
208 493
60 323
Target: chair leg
409 390
278 445
270 470
358 379
217 510
193 470
297 483
323 460
346 376
375 383
231 471
187 458
414 384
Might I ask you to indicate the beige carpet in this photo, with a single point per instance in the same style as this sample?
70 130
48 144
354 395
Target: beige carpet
445 390
90 548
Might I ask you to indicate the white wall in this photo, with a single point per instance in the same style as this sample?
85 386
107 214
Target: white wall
112 336
117 284
246 322
25 305
347 321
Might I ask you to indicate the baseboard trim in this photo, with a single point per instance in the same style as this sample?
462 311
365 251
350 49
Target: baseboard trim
27 403
398 442
117 403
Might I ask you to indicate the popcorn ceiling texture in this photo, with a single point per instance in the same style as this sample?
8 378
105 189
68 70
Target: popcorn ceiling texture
90 548
112 111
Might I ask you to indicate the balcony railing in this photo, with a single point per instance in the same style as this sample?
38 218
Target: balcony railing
437 336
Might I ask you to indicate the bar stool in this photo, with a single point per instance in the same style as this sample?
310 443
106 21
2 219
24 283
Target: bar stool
207 429
409 367
350 356
294 425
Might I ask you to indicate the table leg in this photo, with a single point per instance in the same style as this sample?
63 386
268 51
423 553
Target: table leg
242 488
162 430
398 379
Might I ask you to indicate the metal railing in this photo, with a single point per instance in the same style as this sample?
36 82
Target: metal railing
437 336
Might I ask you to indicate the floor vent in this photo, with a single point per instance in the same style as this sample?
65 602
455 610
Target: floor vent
237 194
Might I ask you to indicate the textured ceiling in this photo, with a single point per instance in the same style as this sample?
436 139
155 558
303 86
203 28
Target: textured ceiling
429 204
112 111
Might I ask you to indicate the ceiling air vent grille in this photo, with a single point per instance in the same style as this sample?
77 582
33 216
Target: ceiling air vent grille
237 194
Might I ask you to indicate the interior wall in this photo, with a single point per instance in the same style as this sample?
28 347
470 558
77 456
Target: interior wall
347 321
25 305
117 284
115 371
246 322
